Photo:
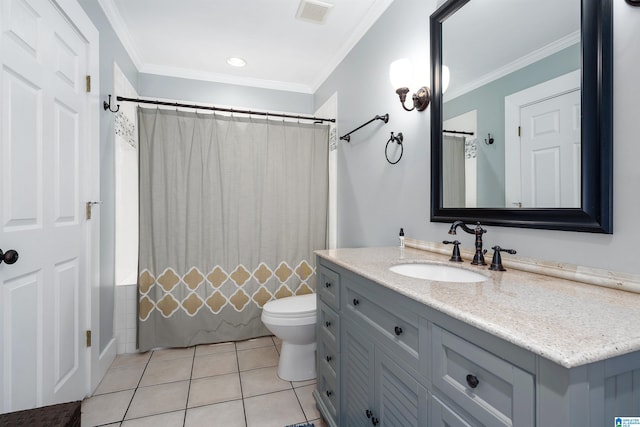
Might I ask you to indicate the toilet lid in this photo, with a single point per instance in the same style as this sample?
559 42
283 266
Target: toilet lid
291 306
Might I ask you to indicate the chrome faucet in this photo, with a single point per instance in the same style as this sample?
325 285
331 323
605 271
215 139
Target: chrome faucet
478 258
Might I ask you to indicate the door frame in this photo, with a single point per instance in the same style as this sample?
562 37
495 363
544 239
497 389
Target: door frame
512 105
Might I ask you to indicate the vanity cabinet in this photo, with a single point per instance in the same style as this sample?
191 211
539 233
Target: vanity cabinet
376 389
390 360
328 360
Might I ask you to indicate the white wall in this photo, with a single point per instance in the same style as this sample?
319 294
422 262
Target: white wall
375 199
126 182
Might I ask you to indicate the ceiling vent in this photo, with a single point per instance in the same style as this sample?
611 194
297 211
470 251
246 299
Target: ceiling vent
313 11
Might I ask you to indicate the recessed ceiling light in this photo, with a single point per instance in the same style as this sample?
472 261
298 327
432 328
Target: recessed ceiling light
235 61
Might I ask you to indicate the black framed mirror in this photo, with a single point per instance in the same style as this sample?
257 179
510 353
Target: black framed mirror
591 210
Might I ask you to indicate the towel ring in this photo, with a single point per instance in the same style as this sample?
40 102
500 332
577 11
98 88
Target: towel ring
398 140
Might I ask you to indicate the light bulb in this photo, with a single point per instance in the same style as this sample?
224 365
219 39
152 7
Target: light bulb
401 73
446 77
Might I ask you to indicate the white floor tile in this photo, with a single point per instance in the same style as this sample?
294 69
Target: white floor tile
106 408
227 414
158 399
171 419
273 410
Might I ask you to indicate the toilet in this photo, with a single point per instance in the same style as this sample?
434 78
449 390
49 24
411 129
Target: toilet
293 320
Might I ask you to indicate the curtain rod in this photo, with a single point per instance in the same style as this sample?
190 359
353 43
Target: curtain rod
458 132
107 106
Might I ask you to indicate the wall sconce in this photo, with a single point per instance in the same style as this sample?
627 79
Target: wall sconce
446 77
401 76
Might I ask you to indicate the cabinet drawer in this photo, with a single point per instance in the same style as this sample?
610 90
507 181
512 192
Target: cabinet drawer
328 389
328 324
327 355
328 287
443 416
492 390
393 320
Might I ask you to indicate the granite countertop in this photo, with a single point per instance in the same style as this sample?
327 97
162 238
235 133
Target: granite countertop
567 322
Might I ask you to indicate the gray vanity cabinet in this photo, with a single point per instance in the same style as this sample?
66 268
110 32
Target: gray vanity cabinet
386 359
375 389
357 375
328 360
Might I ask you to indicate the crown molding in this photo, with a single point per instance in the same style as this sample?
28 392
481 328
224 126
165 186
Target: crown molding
117 23
519 63
187 73
376 10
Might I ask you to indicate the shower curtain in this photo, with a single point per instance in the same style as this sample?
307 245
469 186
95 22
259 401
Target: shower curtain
231 210
453 173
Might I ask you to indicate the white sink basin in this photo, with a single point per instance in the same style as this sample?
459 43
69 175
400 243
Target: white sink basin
438 272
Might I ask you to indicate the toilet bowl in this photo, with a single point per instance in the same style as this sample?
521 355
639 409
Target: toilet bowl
293 320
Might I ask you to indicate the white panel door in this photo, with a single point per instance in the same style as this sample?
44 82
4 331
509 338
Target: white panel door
43 108
550 150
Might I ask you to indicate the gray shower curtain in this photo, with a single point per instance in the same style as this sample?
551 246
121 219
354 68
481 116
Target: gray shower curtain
231 210
453 173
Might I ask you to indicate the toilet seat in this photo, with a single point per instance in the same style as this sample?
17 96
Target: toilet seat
300 309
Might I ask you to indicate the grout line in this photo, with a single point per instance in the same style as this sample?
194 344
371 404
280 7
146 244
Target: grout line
244 409
186 403
304 414
136 389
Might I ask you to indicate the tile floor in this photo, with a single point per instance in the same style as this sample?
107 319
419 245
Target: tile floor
228 384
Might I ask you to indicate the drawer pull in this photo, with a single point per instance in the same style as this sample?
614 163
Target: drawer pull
327 323
327 284
328 358
472 380
374 421
397 330
329 393
368 413
356 301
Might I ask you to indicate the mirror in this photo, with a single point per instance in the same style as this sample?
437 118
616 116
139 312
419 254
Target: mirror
523 135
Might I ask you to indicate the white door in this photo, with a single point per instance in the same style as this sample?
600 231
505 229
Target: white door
44 185
550 152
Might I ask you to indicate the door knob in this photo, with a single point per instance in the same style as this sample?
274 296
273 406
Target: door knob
10 257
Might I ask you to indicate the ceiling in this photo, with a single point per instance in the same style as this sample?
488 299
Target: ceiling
194 38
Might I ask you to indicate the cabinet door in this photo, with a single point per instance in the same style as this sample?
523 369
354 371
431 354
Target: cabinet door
399 399
357 375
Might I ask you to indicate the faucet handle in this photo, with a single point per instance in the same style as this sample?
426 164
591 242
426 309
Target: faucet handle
455 256
496 261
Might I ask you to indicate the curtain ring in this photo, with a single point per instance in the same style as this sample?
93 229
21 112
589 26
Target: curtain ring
398 140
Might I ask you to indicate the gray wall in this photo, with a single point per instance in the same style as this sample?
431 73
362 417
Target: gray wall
221 94
489 101
111 50
376 199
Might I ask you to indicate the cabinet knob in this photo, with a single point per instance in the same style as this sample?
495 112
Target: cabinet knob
374 421
397 330
328 358
472 381
368 413
327 323
329 393
356 301
327 284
